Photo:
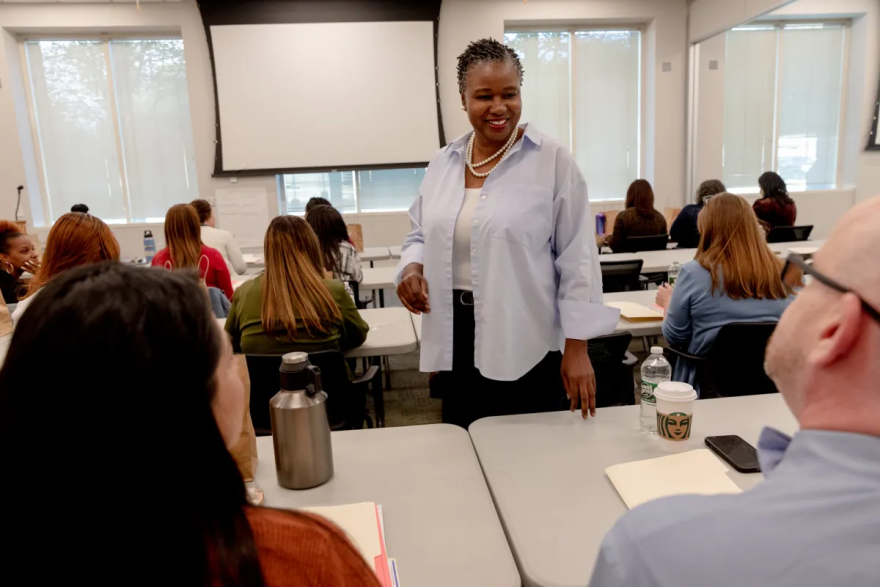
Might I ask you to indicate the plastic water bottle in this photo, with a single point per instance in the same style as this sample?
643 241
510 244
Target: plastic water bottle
655 370
149 246
673 272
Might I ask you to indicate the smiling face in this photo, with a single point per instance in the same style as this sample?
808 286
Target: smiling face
492 100
21 250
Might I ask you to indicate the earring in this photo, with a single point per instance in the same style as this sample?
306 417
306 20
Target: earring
8 267
463 108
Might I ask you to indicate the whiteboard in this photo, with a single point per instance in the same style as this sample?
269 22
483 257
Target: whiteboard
244 213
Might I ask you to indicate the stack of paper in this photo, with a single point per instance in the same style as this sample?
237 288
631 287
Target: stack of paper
364 525
694 472
251 258
636 312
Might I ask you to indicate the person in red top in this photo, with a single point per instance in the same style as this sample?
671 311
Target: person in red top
775 207
185 249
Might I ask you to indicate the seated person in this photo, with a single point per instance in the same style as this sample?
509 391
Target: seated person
813 521
734 277
775 207
340 256
684 230
137 399
314 203
186 251
80 208
75 239
17 255
290 307
222 240
638 219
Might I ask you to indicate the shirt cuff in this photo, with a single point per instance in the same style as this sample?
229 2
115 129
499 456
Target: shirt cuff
586 320
414 253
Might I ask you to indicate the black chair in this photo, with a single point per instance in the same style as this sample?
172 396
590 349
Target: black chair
735 363
346 402
637 244
789 234
356 290
620 276
613 366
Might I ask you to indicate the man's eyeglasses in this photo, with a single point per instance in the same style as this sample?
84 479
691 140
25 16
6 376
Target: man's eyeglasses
795 264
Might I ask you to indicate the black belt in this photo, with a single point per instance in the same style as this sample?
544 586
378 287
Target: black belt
463 297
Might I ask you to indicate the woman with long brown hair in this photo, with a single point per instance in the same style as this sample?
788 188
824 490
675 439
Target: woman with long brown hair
340 256
734 277
185 250
291 307
638 219
75 239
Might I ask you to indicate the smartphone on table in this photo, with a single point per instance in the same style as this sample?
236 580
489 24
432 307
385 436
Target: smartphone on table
738 453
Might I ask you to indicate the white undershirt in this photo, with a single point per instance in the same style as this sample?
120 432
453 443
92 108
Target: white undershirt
461 241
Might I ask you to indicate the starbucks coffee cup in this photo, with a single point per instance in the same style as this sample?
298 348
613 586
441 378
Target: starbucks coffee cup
675 414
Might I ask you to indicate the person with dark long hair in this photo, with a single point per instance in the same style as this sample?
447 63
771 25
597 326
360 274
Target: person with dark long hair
17 255
185 250
638 219
129 428
340 256
684 230
775 207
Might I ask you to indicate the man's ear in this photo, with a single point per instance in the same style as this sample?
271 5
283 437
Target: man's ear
840 333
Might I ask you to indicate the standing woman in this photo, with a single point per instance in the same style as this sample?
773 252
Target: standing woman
775 207
502 259
185 249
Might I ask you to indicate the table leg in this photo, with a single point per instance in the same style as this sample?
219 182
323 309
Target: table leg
379 397
387 372
647 346
381 298
371 264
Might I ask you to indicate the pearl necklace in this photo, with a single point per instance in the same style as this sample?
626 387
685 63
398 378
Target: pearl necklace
502 153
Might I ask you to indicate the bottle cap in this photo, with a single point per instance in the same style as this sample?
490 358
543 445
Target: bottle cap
294 358
656 350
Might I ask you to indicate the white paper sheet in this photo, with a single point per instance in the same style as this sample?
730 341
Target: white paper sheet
695 472
244 213
358 521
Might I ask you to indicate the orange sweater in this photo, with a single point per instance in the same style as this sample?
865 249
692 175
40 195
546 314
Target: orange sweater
298 549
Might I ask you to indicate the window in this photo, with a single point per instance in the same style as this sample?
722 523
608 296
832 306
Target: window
377 190
782 103
582 87
112 123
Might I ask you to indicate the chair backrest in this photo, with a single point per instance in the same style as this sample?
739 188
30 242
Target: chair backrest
735 364
621 275
614 383
343 407
356 234
788 234
670 214
636 244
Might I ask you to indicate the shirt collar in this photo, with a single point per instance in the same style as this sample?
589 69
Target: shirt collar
771 448
843 451
530 132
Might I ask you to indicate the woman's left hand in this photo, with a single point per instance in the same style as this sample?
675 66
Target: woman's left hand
664 294
31 267
579 377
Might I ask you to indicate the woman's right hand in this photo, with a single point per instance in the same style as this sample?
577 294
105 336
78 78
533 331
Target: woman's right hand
31 266
413 289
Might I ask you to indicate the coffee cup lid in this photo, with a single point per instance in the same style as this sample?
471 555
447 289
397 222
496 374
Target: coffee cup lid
675 391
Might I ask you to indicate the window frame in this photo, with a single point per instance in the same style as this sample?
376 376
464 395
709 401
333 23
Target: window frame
572 29
104 39
778 26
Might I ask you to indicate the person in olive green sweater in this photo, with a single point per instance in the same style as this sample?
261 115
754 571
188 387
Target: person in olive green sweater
290 307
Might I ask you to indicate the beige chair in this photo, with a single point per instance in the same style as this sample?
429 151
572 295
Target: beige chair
671 214
610 218
356 234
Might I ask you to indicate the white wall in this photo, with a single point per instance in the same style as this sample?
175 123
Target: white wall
710 17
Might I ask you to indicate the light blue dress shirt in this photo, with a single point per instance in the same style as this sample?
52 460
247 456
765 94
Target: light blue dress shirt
696 314
813 522
534 264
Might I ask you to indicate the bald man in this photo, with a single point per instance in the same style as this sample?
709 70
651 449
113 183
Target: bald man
815 520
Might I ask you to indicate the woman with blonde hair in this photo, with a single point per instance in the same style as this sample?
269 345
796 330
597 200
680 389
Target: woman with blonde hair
75 239
291 307
185 250
734 277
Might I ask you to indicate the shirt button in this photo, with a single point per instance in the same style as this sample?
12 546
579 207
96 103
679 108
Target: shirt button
476 220
473 250
484 196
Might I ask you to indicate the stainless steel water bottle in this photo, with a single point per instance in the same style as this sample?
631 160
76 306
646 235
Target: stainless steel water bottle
300 428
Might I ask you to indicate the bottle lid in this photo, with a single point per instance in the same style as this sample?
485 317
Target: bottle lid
675 391
656 350
294 358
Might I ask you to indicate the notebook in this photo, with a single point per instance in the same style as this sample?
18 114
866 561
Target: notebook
364 525
693 472
636 312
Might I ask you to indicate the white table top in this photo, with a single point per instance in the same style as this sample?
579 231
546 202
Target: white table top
395 251
391 333
378 278
375 254
547 475
440 523
659 261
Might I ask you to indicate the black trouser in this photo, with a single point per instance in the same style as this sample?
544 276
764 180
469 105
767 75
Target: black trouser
468 396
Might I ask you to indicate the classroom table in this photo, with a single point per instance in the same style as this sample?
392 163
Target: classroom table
395 251
374 254
440 524
659 261
379 278
547 475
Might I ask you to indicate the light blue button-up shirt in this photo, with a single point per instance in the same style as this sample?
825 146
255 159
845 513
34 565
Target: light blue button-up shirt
814 522
534 265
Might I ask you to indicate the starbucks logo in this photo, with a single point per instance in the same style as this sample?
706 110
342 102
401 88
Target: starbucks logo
674 426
